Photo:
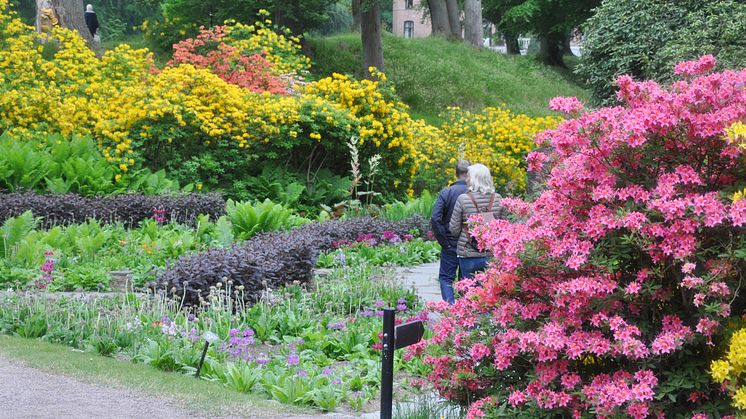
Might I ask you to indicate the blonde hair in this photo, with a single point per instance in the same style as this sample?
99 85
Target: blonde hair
480 179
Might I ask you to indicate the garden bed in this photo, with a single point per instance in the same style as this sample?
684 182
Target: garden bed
310 346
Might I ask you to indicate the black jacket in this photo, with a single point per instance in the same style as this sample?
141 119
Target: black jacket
92 22
442 212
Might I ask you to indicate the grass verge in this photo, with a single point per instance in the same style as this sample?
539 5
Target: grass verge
194 396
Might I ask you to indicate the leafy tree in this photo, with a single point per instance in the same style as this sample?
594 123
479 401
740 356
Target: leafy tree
646 38
550 20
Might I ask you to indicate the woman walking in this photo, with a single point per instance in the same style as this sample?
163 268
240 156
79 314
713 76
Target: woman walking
479 199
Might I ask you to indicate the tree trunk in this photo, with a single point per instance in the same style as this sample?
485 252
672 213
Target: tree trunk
68 13
511 44
550 49
356 15
566 49
473 22
439 17
370 33
454 18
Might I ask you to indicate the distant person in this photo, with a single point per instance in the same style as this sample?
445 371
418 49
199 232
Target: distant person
91 20
439 223
480 198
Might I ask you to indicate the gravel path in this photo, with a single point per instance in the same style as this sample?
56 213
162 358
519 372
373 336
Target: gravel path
31 393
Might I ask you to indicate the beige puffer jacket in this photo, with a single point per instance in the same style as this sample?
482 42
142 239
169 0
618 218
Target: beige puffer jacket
462 211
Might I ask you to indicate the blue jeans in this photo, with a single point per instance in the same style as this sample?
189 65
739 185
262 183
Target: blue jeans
469 266
448 265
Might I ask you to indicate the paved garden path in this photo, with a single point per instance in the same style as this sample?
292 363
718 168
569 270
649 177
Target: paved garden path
424 278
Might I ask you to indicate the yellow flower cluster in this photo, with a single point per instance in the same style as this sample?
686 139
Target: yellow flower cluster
732 369
736 133
277 46
494 137
381 121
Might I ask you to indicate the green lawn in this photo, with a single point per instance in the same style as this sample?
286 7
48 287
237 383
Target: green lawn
431 74
197 396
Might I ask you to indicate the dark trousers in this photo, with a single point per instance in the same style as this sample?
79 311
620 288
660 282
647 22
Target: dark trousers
448 266
470 266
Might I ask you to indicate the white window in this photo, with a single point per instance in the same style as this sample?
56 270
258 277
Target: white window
409 29
409 4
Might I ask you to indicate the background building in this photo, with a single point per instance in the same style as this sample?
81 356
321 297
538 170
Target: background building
409 19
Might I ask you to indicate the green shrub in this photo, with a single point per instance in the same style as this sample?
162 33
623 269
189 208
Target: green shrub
647 38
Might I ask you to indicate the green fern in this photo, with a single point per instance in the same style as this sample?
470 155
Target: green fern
14 230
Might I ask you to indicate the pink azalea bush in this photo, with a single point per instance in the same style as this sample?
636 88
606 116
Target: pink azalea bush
609 293
208 50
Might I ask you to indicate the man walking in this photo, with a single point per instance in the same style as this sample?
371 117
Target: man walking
442 212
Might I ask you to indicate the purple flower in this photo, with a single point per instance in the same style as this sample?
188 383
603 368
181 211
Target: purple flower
262 359
401 307
191 317
366 313
379 313
233 332
336 326
327 371
379 303
293 359
336 381
165 320
302 373
300 342
401 300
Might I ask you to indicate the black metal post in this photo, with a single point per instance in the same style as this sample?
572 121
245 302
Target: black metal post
387 363
211 17
202 359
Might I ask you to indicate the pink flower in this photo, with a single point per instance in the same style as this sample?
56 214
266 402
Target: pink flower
479 351
638 410
516 398
688 268
707 326
569 105
696 68
535 160
632 288
691 282
570 380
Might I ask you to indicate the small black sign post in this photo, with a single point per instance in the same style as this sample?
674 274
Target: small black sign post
394 337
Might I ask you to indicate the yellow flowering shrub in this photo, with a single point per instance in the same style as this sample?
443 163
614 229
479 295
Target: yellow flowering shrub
277 45
137 112
495 137
383 124
182 116
736 134
731 370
